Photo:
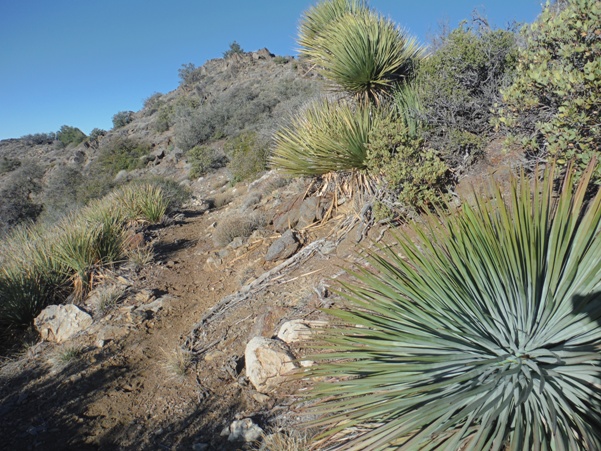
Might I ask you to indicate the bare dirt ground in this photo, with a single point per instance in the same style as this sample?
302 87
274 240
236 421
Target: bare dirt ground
172 377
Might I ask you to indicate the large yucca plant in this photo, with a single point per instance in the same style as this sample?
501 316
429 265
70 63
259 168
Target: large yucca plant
483 335
326 137
320 16
364 54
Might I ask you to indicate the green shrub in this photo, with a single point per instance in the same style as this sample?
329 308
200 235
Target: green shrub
281 59
202 159
459 84
142 201
174 193
19 204
70 135
61 192
234 49
122 118
325 137
553 106
188 74
96 135
8 164
247 156
412 176
164 119
481 335
153 103
39 138
122 154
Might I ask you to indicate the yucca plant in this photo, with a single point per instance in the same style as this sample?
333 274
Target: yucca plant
326 137
363 53
482 335
145 202
320 16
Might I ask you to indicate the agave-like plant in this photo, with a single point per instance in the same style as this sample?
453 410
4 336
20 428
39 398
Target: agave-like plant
482 335
320 16
326 137
364 54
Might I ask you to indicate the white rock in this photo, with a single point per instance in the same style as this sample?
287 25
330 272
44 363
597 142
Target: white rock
299 330
267 363
244 431
58 323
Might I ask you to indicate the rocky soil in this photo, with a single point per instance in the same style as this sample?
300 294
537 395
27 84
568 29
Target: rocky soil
163 366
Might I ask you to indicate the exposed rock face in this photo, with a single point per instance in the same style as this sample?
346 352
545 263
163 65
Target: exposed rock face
58 323
282 248
267 363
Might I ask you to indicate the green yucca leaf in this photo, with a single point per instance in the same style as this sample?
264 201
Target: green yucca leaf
326 137
482 335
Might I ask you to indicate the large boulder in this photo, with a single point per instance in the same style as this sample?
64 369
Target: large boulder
59 323
267 363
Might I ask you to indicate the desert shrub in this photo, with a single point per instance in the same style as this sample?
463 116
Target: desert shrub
153 103
278 59
39 138
61 192
70 135
411 175
237 226
96 135
204 158
122 118
234 49
480 335
121 153
247 156
552 108
189 74
325 137
164 119
8 164
98 183
18 196
460 83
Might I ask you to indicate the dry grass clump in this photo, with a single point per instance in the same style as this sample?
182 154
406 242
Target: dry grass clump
221 199
284 440
178 362
237 226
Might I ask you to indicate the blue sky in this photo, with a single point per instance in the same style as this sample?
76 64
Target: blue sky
78 62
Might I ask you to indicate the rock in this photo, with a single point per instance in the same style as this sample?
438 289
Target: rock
59 323
288 216
262 54
299 330
244 431
310 211
261 398
267 363
282 248
111 333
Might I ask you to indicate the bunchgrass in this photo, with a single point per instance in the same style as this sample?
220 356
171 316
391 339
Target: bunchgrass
482 335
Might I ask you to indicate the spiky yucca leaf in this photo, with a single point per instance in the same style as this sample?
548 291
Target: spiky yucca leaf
326 137
484 335
317 19
364 54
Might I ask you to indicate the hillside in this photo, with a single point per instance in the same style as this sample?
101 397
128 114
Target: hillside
369 246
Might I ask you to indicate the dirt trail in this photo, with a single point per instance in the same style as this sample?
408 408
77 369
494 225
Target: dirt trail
125 392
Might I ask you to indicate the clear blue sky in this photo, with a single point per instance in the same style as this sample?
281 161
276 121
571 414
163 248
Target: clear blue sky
78 62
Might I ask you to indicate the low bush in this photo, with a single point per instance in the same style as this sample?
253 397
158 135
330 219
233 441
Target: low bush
96 135
204 158
8 164
164 120
411 176
237 226
121 153
459 84
122 118
153 103
481 335
247 156
61 192
174 193
234 49
39 138
70 135
553 106
19 204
